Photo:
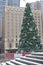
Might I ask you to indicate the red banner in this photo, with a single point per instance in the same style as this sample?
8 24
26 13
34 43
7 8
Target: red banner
9 55
25 53
14 55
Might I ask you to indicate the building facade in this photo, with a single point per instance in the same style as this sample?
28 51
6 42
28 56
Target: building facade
4 3
38 5
37 18
12 26
12 21
13 3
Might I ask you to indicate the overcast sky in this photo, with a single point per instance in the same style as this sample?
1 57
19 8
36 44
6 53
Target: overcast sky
23 2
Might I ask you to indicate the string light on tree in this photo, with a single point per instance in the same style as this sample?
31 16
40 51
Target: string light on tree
29 38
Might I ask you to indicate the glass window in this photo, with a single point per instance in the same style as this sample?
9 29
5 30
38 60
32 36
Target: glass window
16 44
16 39
10 45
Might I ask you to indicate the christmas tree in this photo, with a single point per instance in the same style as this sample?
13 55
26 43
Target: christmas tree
29 37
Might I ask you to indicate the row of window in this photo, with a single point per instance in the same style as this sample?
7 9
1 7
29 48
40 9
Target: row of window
10 45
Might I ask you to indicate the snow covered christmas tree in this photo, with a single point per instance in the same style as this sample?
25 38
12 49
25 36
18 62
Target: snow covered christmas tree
29 38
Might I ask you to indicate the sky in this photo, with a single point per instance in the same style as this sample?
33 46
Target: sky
23 2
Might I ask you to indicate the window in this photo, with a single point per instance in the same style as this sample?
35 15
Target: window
0 38
16 44
16 39
16 35
10 45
